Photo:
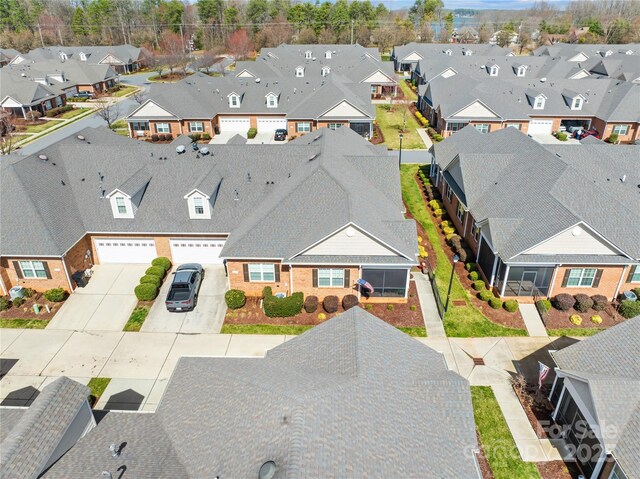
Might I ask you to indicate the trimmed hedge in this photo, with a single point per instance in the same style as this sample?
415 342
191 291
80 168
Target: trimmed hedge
146 292
495 303
576 319
56 111
479 285
17 302
349 301
485 295
252 132
164 263
55 295
5 303
583 303
629 309
600 302
473 276
330 304
311 304
563 302
151 279
511 305
595 319
156 271
543 305
288 306
235 298
471 267
637 292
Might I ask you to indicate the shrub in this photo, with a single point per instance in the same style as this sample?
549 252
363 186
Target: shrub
471 267
311 304
146 292
55 295
164 263
583 303
151 279
613 138
450 237
636 292
195 137
495 303
564 302
479 285
28 292
448 230
438 138
462 253
595 319
511 305
438 213
600 302
33 115
266 291
235 298
455 241
561 136
543 305
576 319
485 295
252 132
206 136
17 302
473 276
330 304
275 307
390 307
629 309
445 224
322 316
155 137
4 303
156 271
161 137
413 307
349 301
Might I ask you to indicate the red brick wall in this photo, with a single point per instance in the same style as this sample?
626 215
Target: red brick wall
236 278
606 130
56 268
608 282
303 281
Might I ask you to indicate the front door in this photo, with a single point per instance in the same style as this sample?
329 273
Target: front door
527 283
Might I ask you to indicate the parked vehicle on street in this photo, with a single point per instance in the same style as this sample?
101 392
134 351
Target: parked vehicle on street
84 94
280 135
183 293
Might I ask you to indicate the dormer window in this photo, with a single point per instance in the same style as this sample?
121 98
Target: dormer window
272 101
199 206
493 70
448 52
63 56
325 71
327 54
608 53
121 205
307 54
576 104
234 101
521 70
83 56
467 53
538 103
299 72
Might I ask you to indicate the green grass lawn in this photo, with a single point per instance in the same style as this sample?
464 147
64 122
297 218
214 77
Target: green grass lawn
574 331
119 124
40 127
415 332
460 321
23 323
97 386
136 319
499 446
125 91
408 92
72 113
263 329
391 123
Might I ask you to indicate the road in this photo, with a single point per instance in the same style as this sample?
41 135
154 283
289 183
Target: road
412 156
91 121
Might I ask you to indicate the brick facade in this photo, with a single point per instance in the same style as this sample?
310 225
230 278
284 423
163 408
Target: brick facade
609 281
303 281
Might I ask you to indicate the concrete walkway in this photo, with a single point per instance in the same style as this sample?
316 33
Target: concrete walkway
432 320
425 137
532 320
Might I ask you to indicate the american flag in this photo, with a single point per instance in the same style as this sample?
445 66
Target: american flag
543 371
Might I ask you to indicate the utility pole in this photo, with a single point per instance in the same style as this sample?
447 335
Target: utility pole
181 33
352 24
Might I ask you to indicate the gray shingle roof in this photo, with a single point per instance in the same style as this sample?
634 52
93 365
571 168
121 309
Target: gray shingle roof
23 90
32 441
125 53
75 72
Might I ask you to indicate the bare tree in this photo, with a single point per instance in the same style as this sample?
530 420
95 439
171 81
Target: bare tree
6 133
108 111
139 96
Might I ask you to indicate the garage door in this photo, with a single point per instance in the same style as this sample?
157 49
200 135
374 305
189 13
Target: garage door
540 127
203 251
126 250
271 124
240 125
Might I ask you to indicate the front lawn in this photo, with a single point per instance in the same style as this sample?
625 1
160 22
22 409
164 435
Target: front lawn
498 444
415 332
125 91
574 331
97 386
289 330
136 319
460 321
407 91
72 113
391 123
23 323
40 127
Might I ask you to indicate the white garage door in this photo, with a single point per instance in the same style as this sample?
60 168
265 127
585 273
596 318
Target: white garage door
203 251
271 124
126 250
240 125
540 127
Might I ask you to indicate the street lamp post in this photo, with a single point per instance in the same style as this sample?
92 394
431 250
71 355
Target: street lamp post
400 155
456 258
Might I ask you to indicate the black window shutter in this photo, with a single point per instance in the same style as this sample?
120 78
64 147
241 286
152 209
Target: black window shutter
276 269
632 270
596 280
566 277
245 270
16 266
314 275
347 278
46 269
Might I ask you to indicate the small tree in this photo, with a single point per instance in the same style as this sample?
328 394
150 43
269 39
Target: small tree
108 111
239 44
139 96
6 133
33 115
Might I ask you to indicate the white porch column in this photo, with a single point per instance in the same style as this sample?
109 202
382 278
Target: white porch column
504 281
493 271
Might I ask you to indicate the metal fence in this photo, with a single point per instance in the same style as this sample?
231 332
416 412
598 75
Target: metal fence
426 265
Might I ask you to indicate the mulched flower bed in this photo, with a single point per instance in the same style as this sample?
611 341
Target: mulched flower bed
556 319
400 316
499 316
25 310
483 464
377 137
558 470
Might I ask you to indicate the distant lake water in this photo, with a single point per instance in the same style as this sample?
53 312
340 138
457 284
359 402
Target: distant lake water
458 23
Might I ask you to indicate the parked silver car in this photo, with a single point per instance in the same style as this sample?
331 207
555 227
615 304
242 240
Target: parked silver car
183 293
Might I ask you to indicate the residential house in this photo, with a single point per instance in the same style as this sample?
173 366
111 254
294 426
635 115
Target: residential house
352 397
509 35
20 95
6 55
543 219
465 35
348 63
313 215
204 104
596 397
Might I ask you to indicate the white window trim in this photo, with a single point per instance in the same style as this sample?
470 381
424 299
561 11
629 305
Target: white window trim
127 205
161 127
514 125
325 71
449 192
206 207
193 127
636 271
475 232
538 103
327 54
581 277
30 267
198 204
332 275
625 132
460 212
234 101
262 269
300 130
299 72
307 55
521 71
493 71
334 126
482 129
272 101
576 104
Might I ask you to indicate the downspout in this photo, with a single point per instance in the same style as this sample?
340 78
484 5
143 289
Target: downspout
464 226
406 288
66 272
291 278
4 288
622 276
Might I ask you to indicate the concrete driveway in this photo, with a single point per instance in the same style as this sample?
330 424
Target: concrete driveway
265 138
105 303
548 139
208 315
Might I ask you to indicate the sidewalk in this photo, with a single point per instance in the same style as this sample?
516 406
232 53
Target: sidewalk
532 320
432 320
425 137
